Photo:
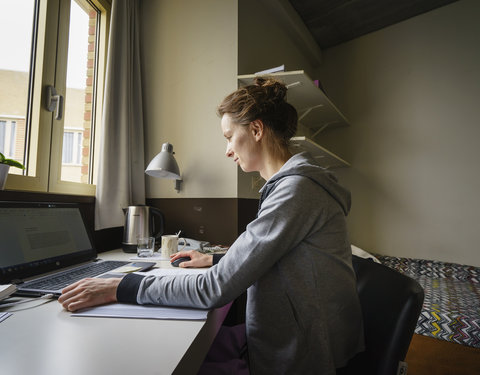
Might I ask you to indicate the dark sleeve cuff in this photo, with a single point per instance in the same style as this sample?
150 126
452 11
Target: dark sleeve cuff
216 258
128 288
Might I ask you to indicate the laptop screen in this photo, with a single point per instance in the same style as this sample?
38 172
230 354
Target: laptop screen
40 237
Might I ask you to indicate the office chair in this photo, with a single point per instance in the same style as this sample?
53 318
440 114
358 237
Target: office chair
391 304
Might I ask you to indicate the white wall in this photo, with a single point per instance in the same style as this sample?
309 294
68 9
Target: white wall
412 94
266 40
269 35
190 54
189 63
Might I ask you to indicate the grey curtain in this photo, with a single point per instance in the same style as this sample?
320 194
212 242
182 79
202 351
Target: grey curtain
121 178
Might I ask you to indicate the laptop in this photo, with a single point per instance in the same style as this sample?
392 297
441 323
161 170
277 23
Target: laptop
46 246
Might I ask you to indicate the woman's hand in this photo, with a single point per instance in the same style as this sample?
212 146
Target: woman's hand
197 259
88 293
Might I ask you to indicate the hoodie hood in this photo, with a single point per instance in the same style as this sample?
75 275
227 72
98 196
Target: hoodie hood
303 164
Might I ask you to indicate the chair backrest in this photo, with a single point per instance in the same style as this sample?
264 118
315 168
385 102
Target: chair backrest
391 304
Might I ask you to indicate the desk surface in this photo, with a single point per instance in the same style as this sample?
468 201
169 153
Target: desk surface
46 340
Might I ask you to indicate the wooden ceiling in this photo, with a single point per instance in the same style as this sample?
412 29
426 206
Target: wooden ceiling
332 22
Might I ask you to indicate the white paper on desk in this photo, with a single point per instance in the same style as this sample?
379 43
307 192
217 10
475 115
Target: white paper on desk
123 310
173 271
154 257
4 315
157 255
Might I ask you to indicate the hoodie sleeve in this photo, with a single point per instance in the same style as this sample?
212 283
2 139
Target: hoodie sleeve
216 258
283 222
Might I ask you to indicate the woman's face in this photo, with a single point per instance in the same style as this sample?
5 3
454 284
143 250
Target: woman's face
241 144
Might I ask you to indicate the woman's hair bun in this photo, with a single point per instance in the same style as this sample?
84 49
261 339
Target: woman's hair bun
276 90
263 100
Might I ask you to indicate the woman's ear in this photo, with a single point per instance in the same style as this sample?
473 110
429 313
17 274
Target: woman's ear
257 129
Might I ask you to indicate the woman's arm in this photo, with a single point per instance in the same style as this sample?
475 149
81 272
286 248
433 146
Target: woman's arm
93 292
281 225
89 292
197 259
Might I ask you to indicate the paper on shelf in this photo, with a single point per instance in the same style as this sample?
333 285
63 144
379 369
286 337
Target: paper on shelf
276 69
123 310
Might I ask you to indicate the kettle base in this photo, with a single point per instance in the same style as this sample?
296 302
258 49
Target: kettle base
127 248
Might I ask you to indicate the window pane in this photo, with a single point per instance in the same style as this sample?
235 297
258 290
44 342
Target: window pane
16 21
72 147
67 147
13 137
78 148
79 99
3 126
7 138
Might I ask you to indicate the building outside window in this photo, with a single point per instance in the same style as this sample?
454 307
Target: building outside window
72 154
58 43
7 138
72 147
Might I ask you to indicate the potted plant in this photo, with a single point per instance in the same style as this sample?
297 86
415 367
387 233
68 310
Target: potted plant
5 165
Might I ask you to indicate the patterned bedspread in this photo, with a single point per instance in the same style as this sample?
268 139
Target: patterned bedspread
451 309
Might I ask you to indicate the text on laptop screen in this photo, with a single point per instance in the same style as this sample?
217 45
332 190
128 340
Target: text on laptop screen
30 234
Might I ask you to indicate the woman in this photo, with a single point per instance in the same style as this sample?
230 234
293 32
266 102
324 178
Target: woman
303 315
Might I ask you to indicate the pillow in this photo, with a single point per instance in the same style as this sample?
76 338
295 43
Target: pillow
363 254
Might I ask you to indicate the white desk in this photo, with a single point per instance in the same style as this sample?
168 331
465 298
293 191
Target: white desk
46 340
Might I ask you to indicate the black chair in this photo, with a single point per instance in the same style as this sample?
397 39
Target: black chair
391 304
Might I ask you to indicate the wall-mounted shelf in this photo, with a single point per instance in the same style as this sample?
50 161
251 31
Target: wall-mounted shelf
315 112
324 157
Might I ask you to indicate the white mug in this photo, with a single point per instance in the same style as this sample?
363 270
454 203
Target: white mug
170 245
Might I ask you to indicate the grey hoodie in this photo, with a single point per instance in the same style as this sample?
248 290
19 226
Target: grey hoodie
303 314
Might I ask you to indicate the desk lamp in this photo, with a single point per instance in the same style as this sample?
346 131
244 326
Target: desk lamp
164 165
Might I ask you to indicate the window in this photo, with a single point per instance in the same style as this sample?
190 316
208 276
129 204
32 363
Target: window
59 44
72 146
72 155
10 136
2 136
8 129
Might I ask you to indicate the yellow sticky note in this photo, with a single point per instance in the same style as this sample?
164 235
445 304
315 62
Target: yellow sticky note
127 269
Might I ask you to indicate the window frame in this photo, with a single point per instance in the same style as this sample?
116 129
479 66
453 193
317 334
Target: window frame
50 70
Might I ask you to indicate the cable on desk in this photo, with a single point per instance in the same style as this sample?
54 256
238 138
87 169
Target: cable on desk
10 304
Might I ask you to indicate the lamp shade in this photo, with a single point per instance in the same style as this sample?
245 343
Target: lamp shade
164 164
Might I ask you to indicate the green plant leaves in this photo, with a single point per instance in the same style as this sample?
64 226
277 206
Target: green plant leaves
13 163
10 162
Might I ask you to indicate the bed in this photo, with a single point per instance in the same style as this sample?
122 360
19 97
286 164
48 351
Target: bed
451 309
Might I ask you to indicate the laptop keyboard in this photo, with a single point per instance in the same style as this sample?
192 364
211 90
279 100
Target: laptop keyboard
63 279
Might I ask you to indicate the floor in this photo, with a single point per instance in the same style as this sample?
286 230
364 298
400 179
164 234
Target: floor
430 356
